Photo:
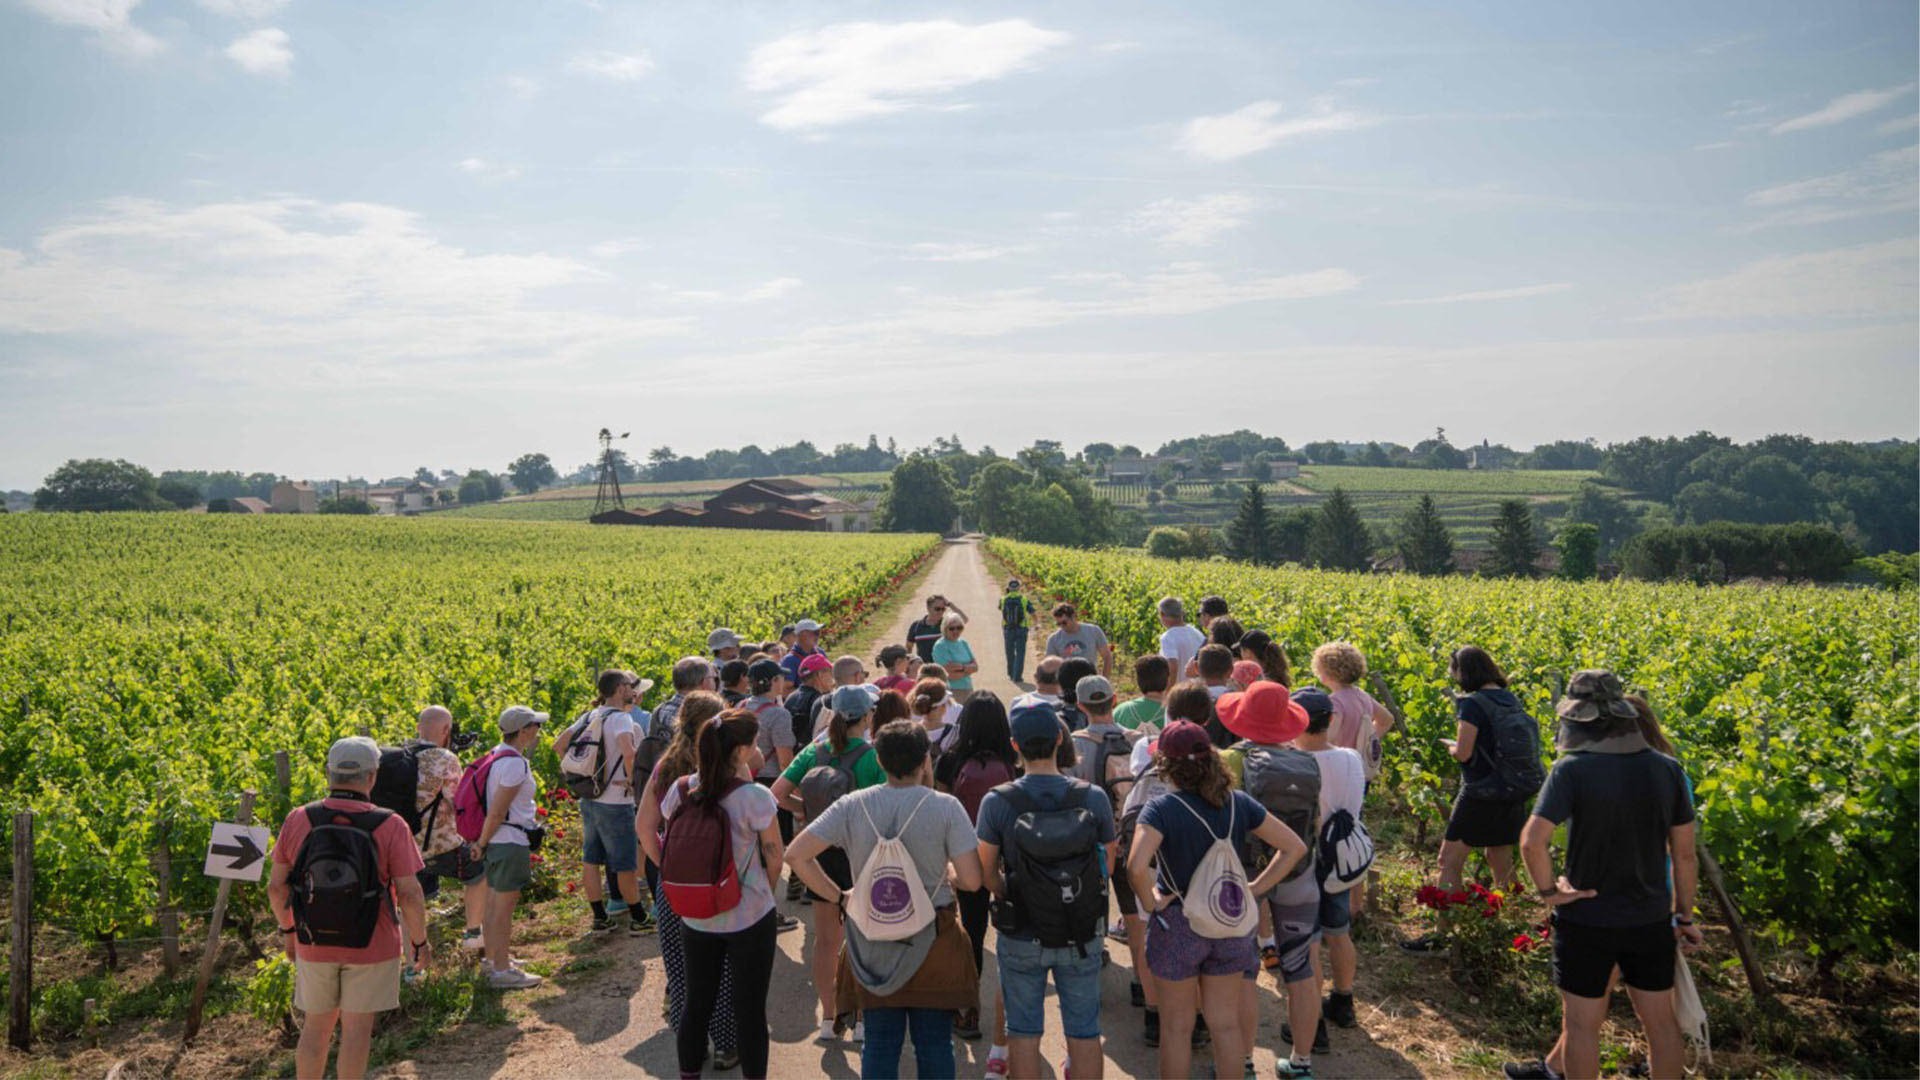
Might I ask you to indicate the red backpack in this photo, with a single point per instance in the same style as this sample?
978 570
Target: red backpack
697 868
470 795
976 777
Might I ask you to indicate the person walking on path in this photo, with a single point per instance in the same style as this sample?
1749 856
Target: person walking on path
1074 638
928 629
953 653
1015 611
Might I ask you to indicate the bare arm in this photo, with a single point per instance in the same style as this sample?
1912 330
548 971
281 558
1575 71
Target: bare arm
788 796
497 813
413 913
627 748
280 899
1686 881
995 881
1536 850
1382 720
1464 736
1146 842
1288 848
804 856
646 821
1106 661
772 850
966 871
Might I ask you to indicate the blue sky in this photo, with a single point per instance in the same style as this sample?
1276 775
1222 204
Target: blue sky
331 238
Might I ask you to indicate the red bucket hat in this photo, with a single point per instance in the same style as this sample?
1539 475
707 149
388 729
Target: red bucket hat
1263 714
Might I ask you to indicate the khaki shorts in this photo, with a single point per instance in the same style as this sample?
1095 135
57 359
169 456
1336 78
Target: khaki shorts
353 988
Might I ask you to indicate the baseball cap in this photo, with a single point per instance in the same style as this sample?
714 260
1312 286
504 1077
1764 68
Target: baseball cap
1316 702
764 671
1593 693
1093 690
851 702
1246 672
515 717
806 626
355 755
1263 714
1033 721
815 662
722 638
1013 583
1182 740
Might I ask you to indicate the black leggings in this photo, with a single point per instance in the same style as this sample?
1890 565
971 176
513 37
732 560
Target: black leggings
749 953
974 908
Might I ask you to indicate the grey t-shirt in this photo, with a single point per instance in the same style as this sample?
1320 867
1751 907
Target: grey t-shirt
776 732
1087 640
937 830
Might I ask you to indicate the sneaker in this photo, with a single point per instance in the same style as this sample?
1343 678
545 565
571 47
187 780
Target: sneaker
640 925
1118 931
602 924
1269 957
1137 994
859 1032
966 1024
1320 1043
472 941
1338 1010
784 923
794 888
806 898
996 1068
1529 1070
1249 1073
513 979
1425 945
1287 1069
725 1059
828 1034
1150 1028
616 907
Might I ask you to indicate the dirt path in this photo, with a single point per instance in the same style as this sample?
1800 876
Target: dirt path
608 1022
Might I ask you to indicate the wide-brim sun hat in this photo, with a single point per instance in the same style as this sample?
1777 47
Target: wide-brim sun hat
1264 713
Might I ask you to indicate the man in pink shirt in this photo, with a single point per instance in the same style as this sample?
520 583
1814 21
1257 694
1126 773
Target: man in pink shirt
346 951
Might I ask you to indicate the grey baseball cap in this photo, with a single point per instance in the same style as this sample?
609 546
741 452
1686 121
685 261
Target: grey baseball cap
355 755
806 626
722 638
1093 690
516 717
851 702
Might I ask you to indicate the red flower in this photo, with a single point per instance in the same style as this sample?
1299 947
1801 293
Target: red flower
540 811
1460 896
573 886
538 858
1522 943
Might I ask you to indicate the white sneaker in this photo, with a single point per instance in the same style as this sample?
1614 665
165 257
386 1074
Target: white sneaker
826 1037
473 942
859 1032
513 979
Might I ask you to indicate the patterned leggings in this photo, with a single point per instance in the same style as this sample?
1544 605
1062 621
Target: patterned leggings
673 953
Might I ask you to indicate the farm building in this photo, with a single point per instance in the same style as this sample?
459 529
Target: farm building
247 504
756 504
295 497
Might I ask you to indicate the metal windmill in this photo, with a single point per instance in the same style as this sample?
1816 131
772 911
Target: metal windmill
609 497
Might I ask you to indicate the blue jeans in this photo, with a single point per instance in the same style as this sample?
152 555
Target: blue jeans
887 1030
1024 967
1016 640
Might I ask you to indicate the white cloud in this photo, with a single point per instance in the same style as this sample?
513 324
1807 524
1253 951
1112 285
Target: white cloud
612 66
1869 281
1518 293
1254 127
1898 125
1883 184
263 52
849 71
110 20
771 290
1844 108
962 252
242 9
299 290
1193 222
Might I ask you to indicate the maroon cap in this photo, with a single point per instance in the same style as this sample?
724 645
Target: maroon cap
1183 740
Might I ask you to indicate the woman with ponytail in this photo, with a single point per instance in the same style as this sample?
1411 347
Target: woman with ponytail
1259 647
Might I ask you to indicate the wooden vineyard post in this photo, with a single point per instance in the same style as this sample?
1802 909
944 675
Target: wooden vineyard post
168 918
212 950
20 970
283 781
1742 941
1385 693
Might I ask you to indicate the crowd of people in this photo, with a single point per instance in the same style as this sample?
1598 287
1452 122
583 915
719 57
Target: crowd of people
1211 823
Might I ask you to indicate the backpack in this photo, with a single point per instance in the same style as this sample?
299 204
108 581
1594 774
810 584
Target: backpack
1054 875
1344 853
977 776
830 779
651 747
1225 908
470 795
1013 611
396 786
1287 782
888 902
1513 740
697 868
1148 785
337 888
583 768
1096 760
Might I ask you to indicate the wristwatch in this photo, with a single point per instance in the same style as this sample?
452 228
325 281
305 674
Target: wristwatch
290 929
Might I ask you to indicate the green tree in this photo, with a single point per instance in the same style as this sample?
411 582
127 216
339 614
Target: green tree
1169 542
473 489
1425 544
181 493
1324 453
1579 545
1596 505
1260 468
346 504
1250 536
97 484
1339 540
531 472
1515 544
1375 456
920 497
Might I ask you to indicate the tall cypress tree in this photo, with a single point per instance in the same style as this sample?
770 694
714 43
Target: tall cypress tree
1340 540
1251 533
1426 545
1515 544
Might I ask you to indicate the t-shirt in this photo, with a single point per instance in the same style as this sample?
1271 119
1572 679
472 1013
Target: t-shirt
921 636
1186 840
1353 726
776 732
508 771
937 830
1343 781
750 808
1181 645
1140 711
1087 640
398 859
1620 807
866 772
898 683
997 814
951 652
1468 710
618 724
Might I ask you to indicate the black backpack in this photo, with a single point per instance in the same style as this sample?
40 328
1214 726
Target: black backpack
396 786
1054 876
654 737
1093 754
337 888
1512 738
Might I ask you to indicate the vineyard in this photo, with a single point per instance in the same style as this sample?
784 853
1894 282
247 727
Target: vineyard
579 507
150 666
1509 483
1793 709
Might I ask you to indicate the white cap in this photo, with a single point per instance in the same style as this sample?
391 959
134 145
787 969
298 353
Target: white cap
806 626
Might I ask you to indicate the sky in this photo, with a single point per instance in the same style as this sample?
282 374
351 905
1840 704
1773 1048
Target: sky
325 239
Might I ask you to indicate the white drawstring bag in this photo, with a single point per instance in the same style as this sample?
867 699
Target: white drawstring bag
888 902
1225 907
1687 1007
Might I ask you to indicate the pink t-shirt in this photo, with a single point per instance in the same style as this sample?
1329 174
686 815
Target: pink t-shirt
399 858
1353 726
894 682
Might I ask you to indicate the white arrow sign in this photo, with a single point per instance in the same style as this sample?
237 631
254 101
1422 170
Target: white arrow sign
237 851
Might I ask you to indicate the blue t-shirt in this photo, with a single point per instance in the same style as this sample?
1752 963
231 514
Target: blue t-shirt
997 814
1185 840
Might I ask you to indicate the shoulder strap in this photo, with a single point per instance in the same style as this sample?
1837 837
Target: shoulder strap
1023 803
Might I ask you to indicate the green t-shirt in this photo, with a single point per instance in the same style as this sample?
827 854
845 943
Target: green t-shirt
866 772
1139 711
947 651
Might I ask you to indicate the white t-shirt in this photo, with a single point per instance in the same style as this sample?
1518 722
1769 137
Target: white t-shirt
510 771
618 723
750 809
1343 781
1181 646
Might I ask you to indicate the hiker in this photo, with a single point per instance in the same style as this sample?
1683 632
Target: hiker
503 789
1072 638
980 759
1179 642
1152 675
733 682
1201 950
690 674
1226 633
1215 664
1343 791
927 704
816 680
1051 902
342 937
1015 612
954 654
720 853
1071 714
596 753
1498 747
1359 722
806 644
1211 608
1101 754
1286 782
418 780
1626 899
1046 683
682 759
840 762
892 663
906 967
926 630
766 684
847 671
1259 647
723 645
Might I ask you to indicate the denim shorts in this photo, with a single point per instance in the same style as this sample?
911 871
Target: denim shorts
607 836
1336 913
1076 981
1176 953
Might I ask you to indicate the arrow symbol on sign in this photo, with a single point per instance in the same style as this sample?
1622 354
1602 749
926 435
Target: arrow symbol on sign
243 852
